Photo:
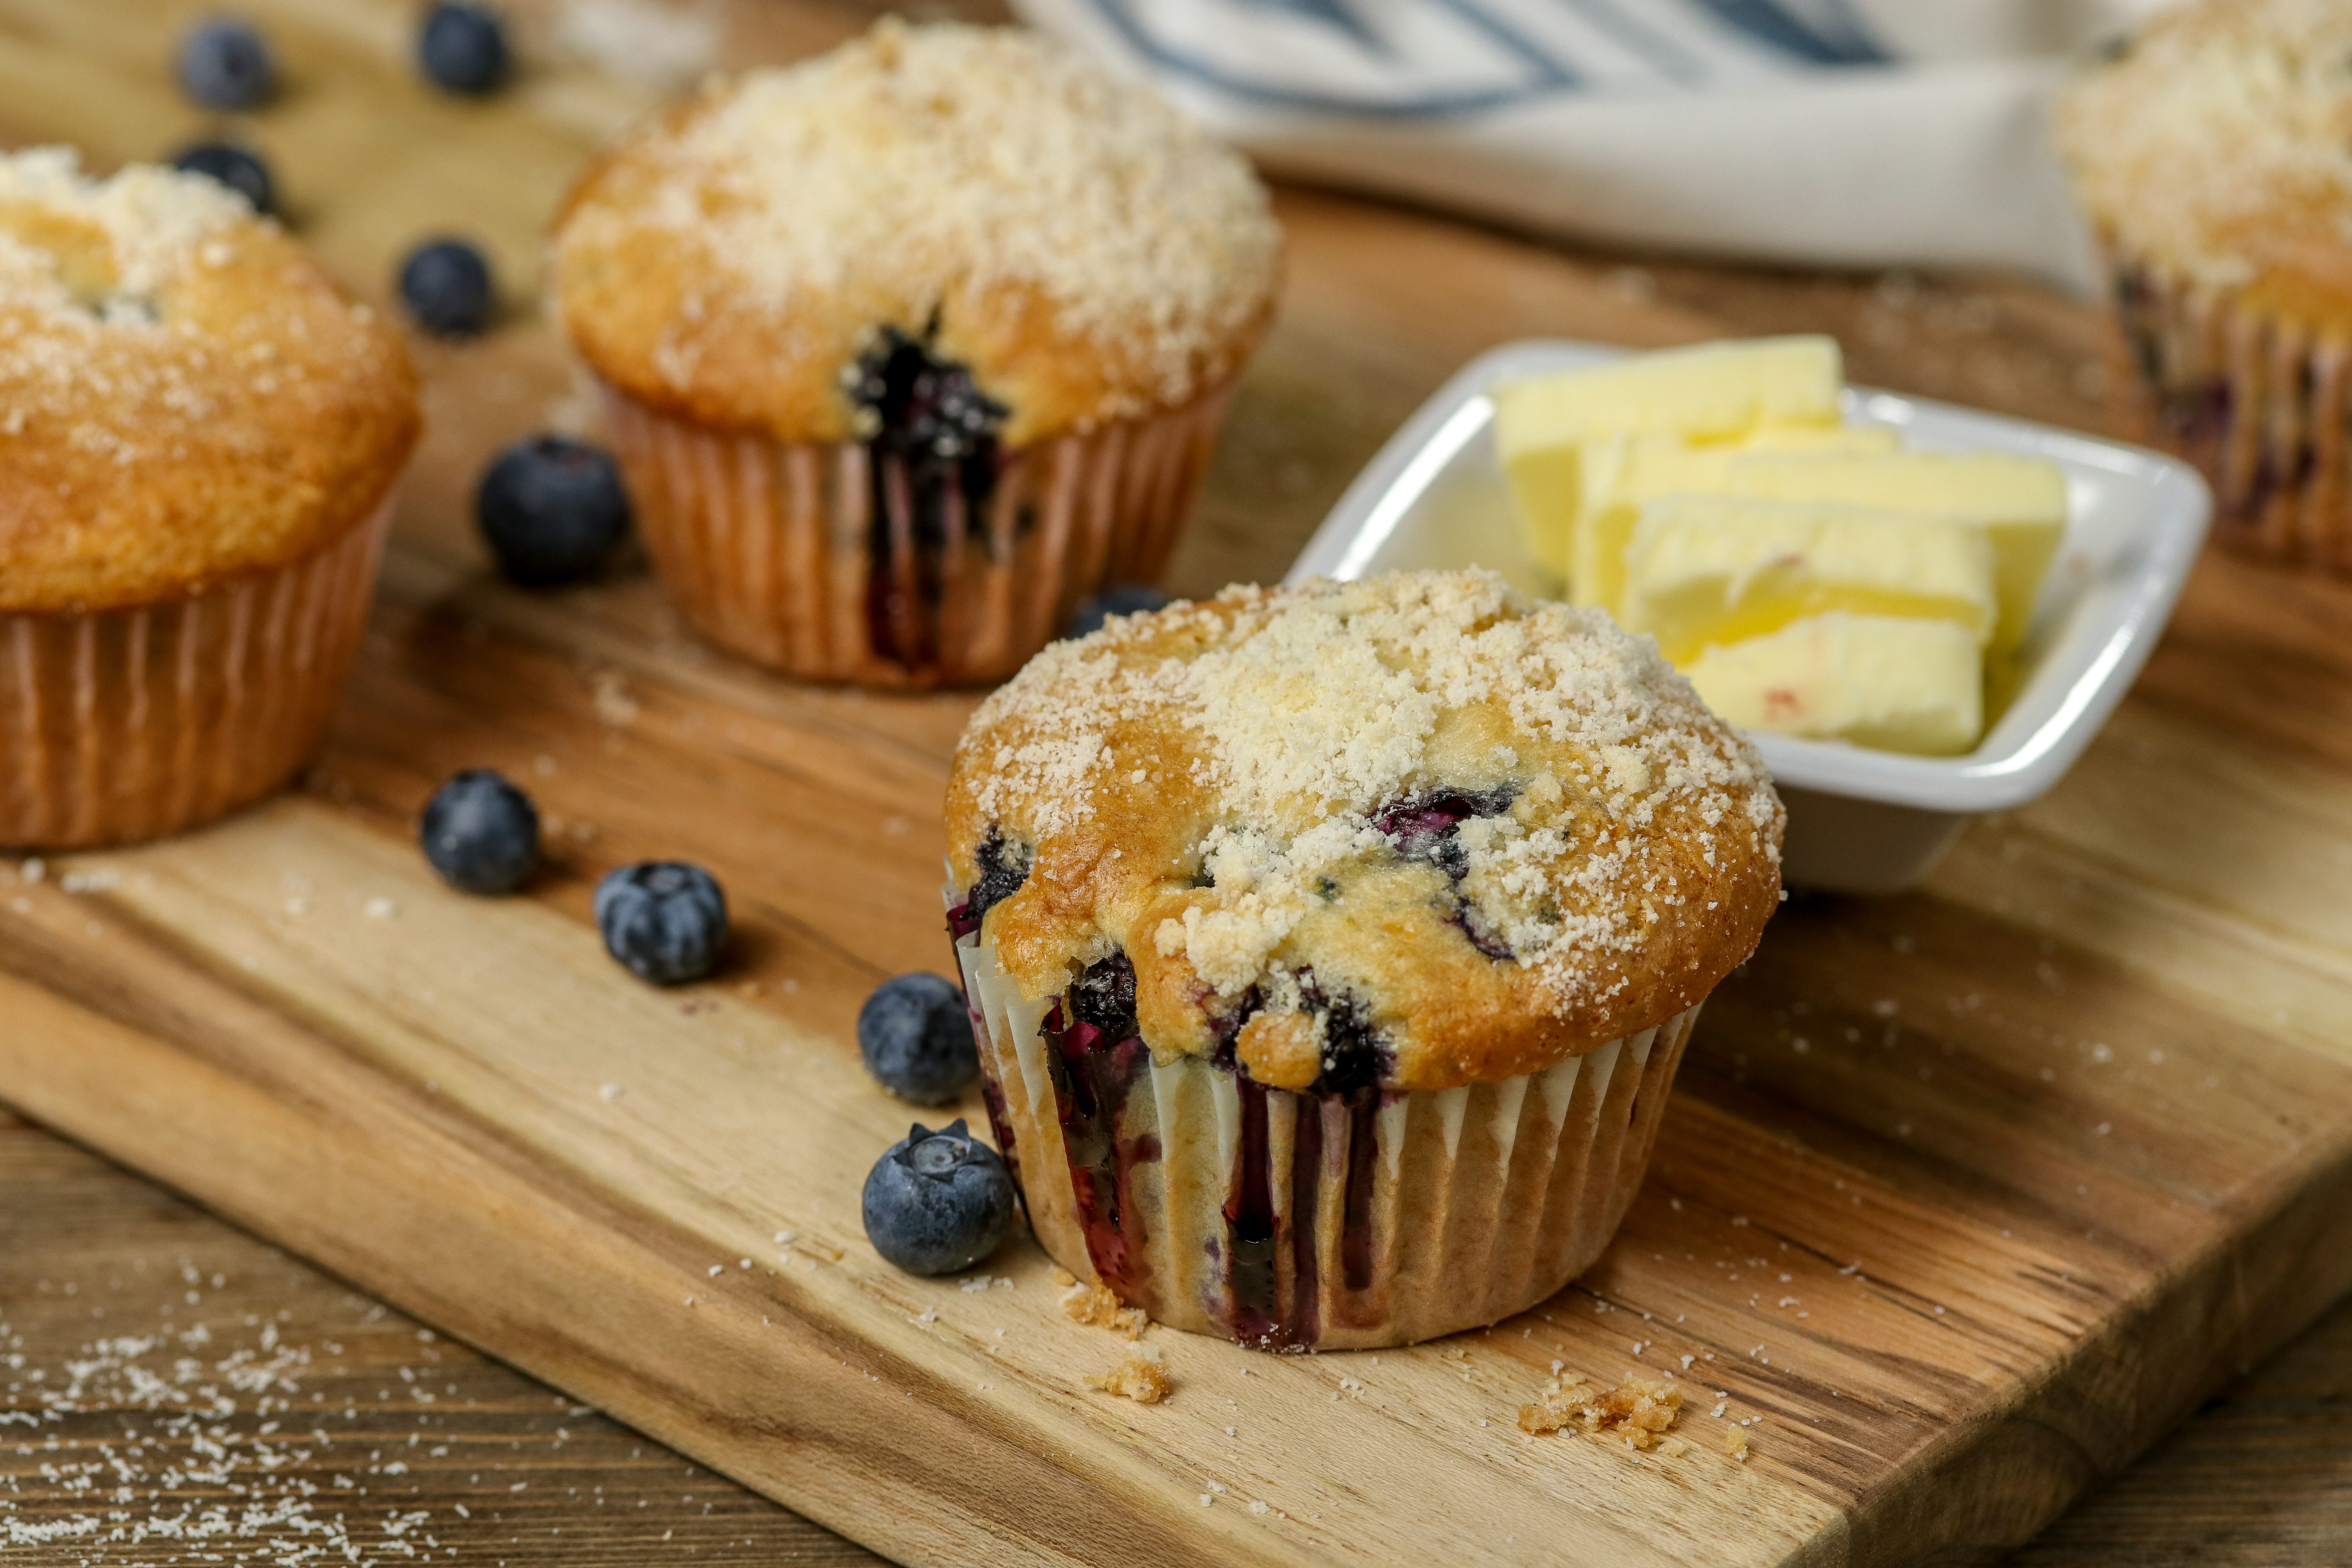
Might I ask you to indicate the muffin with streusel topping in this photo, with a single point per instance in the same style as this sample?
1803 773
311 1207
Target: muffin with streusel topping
199 438
2214 154
911 347
1334 946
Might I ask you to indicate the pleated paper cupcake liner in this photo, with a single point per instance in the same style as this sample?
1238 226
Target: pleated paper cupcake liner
121 725
2254 400
1298 1221
773 550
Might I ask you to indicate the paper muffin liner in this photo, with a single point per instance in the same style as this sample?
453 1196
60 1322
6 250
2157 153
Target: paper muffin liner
2256 401
1298 1221
120 725
772 549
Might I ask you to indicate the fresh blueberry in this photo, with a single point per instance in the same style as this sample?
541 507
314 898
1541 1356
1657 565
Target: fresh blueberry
938 1202
235 167
462 49
480 833
915 1037
447 287
665 920
224 64
1121 599
552 510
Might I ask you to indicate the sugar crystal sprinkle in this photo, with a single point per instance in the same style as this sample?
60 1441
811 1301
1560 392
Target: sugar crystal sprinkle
1286 720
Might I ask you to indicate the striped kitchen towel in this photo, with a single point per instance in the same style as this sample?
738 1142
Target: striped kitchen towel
1854 132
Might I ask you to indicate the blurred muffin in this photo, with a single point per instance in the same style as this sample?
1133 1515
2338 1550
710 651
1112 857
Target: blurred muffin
2214 154
913 346
199 439
1334 946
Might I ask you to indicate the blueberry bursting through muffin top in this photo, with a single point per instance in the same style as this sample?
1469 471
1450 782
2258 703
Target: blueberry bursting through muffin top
932 461
1412 831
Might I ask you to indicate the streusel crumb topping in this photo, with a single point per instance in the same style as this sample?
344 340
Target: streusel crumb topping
2220 142
1416 811
986 180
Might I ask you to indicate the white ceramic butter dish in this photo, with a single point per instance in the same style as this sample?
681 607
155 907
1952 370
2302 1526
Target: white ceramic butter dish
1859 820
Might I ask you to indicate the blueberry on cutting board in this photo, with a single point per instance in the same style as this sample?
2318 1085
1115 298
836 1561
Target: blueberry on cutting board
938 1202
463 49
480 833
232 166
914 1034
225 63
665 921
445 285
552 510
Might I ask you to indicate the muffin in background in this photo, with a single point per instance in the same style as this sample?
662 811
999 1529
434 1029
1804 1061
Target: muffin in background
1332 948
2214 154
911 347
199 441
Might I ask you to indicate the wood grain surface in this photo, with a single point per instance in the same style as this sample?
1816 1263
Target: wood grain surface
1963 1198
2260 1478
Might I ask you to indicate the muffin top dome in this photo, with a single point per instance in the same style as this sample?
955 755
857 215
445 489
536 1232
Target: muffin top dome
184 395
2220 143
1413 830
1069 237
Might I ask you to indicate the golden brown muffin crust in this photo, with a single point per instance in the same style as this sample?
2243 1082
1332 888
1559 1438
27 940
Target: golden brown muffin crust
1249 797
2219 143
1085 250
184 395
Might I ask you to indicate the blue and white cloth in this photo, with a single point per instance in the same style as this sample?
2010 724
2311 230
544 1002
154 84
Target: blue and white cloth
1854 132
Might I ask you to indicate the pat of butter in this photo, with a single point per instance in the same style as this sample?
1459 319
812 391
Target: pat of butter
1623 474
1894 682
2022 501
1714 392
1704 570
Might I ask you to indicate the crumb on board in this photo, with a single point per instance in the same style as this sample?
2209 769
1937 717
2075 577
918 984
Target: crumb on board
1634 1413
1139 1374
1097 1307
1735 1443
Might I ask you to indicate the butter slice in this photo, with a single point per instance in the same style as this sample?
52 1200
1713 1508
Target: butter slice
1895 682
2022 501
1704 570
1623 474
1714 392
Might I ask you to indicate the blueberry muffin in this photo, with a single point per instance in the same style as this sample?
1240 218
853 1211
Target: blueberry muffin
199 438
1334 945
912 347
2214 154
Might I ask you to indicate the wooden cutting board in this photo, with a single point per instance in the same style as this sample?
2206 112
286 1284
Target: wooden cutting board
1962 1199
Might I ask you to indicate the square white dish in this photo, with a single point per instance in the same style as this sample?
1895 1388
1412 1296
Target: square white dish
1859 820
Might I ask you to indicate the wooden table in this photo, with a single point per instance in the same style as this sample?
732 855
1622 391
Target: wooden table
411 1446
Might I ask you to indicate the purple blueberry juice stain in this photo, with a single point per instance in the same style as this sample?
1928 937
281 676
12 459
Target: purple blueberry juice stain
1097 1059
1000 1122
1003 869
2200 414
1249 1225
1355 1061
1303 1323
1355 1221
933 462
